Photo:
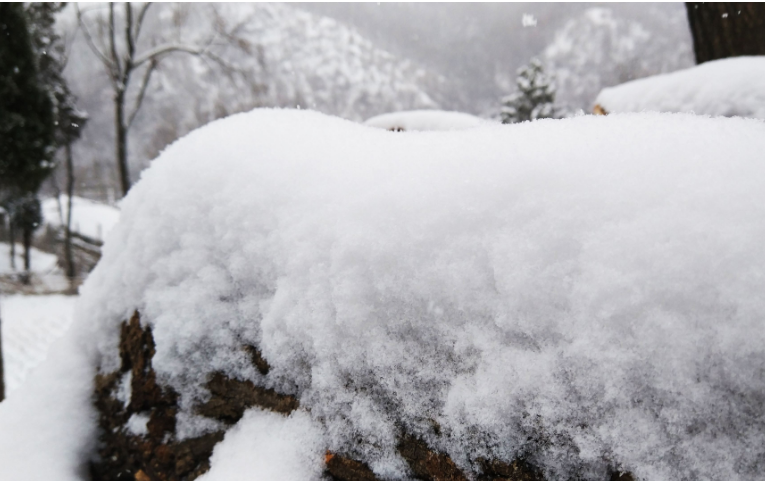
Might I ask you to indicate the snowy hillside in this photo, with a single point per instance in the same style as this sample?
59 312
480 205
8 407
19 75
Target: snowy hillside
582 294
600 48
89 218
271 55
728 87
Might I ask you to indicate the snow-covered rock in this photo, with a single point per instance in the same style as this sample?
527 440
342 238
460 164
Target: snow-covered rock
728 87
582 294
424 120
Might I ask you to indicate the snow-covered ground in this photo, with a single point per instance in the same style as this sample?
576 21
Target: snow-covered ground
728 87
425 120
585 293
40 262
89 218
30 324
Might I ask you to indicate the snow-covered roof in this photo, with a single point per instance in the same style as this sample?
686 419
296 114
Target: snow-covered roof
424 120
728 87
585 293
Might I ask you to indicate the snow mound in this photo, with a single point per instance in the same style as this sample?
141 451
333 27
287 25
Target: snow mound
728 87
268 447
583 293
424 120
89 218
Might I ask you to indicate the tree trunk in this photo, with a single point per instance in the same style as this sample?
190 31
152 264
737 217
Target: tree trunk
26 235
722 30
12 234
70 268
121 133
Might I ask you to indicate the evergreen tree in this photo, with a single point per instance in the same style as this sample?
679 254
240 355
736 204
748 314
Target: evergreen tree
27 124
534 98
69 120
26 111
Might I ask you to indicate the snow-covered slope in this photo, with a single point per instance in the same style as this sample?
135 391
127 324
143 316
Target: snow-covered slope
728 87
424 120
582 293
40 262
30 325
89 218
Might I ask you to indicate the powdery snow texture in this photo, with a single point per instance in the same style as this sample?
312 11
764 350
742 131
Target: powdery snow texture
728 87
424 120
266 446
584 292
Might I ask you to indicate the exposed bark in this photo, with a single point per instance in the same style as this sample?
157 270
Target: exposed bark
231 397
518 470
341 468
157 455
722 30
426 463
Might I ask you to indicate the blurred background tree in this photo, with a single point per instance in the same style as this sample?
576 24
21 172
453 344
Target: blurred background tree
534 98
722 30
27 125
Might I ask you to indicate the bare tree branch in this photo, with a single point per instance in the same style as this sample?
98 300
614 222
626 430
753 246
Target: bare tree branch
91 43
129 36
167 48
113 48
142 91
139 22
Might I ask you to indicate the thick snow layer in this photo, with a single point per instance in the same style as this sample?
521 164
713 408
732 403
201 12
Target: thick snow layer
47 424
728 87
425 120
89 218
30 325
584 292
266 446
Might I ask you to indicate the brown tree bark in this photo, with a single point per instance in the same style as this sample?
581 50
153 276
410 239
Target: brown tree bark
722 30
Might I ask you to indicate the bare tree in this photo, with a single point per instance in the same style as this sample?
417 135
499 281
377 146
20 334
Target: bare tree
118 52
723 30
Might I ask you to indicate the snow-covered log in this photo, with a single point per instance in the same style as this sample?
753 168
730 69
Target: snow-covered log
728 87
425 120
289 295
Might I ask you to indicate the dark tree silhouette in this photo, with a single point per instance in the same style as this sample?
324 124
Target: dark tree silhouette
722 30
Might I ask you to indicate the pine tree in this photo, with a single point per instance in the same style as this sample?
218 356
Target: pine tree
534 98
69 120
27 124
26 111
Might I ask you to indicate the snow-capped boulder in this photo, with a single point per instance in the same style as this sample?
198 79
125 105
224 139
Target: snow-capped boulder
731 87
289 295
